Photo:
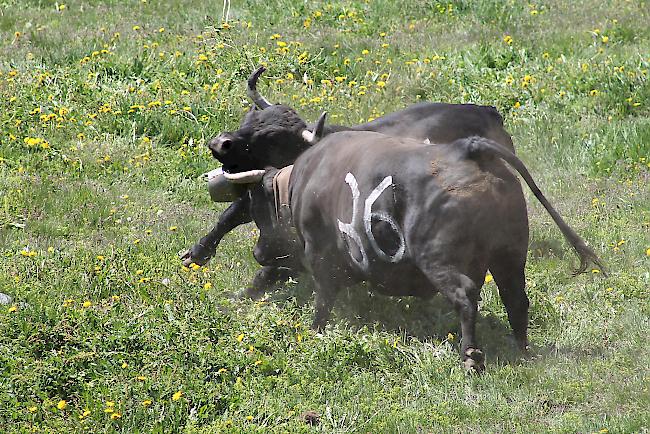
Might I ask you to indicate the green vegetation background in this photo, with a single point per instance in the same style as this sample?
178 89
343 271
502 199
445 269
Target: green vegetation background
104 110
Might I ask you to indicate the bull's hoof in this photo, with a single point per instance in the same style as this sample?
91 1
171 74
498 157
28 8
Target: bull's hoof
251 294
195 255
523 345
474 360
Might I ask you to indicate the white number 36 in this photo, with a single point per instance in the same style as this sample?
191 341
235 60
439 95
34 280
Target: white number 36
368 215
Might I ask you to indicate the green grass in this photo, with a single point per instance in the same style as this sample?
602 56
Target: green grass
102 126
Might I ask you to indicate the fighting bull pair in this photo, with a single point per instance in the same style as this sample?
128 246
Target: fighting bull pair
408 217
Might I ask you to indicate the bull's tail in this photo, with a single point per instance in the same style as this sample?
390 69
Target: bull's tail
477 146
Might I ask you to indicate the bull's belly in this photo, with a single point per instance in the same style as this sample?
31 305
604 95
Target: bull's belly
401 280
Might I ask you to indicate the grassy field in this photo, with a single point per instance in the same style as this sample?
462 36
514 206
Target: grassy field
104 110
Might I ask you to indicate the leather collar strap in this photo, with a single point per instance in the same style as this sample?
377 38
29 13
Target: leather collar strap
281 194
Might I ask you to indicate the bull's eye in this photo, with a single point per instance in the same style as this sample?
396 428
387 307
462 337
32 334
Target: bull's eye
226 145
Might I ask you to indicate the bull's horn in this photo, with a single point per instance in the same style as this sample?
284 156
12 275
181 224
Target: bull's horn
313 137
248 177
252 92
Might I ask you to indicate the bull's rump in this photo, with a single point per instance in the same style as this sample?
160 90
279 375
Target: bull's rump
376 206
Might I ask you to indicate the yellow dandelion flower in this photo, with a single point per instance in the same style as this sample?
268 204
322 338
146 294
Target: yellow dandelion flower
450 337
240 337
176 396
13 309
488 278
141 378
32 409
28 253
115 416
147 403
207 285
61 405
87 303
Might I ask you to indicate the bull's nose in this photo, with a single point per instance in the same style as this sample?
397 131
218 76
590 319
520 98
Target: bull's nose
220 145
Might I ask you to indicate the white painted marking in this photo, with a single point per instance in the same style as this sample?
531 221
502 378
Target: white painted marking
368 215
348 228
352 234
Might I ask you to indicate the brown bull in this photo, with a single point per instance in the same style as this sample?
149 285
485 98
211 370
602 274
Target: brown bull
409 219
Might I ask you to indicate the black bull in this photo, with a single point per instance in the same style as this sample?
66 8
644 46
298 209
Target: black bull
267 129
409 219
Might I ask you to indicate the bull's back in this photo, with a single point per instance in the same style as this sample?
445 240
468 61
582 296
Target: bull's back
442 123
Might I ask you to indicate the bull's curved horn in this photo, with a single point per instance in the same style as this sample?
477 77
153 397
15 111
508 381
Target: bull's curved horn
312 137
248 177
252 92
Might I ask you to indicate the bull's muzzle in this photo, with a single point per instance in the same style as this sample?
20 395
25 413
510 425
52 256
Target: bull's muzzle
220 145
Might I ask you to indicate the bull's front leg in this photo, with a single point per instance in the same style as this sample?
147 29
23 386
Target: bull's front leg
324 298
236 214
266 279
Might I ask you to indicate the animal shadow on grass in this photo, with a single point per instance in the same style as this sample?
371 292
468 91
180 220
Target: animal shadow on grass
412 317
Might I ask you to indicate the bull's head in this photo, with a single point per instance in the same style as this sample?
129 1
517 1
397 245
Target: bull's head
269 135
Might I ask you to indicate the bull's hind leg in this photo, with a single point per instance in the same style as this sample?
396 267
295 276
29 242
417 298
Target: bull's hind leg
507 268
463 294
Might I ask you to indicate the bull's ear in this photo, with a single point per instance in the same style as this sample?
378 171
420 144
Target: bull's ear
312 137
